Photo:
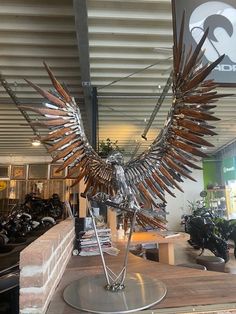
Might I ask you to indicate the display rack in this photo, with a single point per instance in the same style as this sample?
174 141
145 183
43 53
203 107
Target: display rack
216 199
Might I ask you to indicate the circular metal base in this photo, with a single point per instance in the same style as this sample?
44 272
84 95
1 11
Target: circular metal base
88 294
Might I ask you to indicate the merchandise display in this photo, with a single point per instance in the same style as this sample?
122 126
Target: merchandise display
88 242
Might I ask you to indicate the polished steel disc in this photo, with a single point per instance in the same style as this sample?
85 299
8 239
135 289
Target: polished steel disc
88 294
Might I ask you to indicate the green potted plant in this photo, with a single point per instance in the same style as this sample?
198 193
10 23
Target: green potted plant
106 147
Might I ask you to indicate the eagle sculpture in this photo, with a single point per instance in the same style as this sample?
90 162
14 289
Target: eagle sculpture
159 169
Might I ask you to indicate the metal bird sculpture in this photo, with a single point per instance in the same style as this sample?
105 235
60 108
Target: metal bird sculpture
156 171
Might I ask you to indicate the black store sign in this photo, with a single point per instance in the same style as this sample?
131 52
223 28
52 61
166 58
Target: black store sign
220 17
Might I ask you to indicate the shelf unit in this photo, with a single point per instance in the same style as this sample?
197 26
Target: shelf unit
216 199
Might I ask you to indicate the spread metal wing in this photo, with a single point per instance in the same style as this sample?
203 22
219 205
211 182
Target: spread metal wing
172 154
67 138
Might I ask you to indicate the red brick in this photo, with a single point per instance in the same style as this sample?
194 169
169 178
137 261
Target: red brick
38 254
68 240
55 260
54 238
34 300
34 281
51 266
53 281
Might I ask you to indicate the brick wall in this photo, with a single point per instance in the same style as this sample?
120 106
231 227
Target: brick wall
42 264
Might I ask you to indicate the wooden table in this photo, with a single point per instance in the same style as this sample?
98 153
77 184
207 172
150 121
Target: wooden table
166 245
188 290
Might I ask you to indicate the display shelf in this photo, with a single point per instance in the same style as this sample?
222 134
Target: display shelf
216 199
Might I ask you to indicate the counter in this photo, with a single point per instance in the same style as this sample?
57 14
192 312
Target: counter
188 290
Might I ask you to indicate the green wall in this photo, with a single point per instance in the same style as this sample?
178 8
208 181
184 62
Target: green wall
211 172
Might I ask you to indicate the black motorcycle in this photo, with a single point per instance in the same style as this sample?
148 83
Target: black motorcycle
3 233
207 228
54 206
18 224
39 207
33 205
227 229
203 236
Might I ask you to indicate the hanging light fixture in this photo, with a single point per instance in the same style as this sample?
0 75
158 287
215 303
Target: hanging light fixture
36 142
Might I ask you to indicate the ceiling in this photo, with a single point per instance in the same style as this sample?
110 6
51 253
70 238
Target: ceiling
130 60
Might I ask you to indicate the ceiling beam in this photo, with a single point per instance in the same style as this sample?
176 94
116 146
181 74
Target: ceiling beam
81 25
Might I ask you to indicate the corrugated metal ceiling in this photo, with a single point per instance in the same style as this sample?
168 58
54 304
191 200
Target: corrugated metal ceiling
32 32
130 61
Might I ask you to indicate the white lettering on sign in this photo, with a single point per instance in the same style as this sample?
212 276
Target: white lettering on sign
225 68
228 169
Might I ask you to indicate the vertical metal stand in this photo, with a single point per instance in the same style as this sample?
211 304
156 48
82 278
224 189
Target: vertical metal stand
99 246
89 294
114 282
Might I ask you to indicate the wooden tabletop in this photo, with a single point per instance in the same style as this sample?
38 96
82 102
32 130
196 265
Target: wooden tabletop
151 237
188 290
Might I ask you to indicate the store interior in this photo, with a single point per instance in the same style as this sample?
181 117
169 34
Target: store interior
115 163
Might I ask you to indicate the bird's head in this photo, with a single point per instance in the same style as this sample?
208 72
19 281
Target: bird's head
115 158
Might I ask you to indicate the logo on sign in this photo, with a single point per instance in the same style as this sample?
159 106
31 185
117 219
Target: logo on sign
228 169
220 17
3 185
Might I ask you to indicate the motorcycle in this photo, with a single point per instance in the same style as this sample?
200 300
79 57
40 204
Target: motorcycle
18 224
39 207
33 205
55 206
227 229
203 230
3 233
203 236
